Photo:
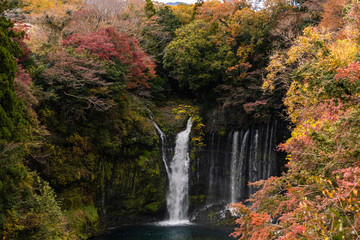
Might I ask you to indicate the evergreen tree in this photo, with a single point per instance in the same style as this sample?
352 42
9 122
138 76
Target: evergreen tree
149 9
11 120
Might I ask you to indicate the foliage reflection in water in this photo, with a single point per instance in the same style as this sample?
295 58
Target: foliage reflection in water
158 232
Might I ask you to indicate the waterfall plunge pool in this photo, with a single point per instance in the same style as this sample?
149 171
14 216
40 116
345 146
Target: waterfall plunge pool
162 231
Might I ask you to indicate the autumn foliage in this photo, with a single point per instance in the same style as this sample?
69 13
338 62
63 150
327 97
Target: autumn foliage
78 84
107 44
333 14
317 198
74 109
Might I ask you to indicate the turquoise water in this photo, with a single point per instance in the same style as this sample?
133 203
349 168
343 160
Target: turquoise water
157 232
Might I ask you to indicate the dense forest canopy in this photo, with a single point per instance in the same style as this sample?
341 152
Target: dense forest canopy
80 80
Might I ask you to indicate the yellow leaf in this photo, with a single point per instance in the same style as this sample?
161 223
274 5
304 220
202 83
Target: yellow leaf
355 192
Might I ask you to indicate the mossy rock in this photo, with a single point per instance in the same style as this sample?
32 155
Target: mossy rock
73 198
197 200
152 207
85 221
167 120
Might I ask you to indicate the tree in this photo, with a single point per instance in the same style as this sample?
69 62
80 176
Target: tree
149 9
333 14
317 197
97 14
77 85
196 59
22 85
183 12
3 6
55 15
28 206
213 11
11 109
118 49
240 94
158 31
249 37
244 29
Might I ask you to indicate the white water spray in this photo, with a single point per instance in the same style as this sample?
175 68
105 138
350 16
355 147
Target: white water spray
237 167
177 199
234 161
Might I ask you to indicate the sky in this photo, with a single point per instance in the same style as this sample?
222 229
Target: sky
184 1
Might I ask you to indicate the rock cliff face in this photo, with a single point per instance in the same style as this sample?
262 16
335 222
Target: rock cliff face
226 164
219 175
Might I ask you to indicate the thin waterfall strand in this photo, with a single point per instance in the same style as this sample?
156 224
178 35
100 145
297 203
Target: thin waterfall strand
212 169
163 137
239 193
234 163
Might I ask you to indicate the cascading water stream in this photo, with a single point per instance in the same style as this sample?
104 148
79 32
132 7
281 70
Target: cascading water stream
234 163
242 162
229 162
266 167
163 138
271 161
177 199
238 169
211 168
248 155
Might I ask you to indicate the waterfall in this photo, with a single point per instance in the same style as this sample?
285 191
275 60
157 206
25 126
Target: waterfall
238 166
163 139
266 167
241 167
272 160
177 199
234 163
211 169
254 160
227 163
